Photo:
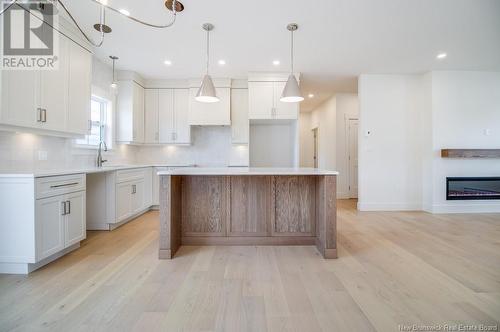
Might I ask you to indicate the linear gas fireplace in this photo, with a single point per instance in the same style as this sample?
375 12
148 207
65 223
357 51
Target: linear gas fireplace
466 188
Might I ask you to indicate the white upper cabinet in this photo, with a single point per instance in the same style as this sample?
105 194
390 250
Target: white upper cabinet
55 100
130 112
239 116
182 128
211 114
166 116
54 90
264 102
80 78
151 125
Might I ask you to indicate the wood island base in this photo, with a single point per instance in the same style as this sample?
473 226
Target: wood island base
247 210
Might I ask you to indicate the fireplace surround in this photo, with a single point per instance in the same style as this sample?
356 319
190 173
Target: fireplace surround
472 188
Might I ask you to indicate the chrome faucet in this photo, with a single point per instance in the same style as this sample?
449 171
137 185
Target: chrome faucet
99 153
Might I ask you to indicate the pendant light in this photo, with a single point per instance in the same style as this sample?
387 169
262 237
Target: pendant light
206 93
291 92
113 83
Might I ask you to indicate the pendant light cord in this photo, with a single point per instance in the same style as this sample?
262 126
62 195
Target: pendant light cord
113 71
208 49
291 51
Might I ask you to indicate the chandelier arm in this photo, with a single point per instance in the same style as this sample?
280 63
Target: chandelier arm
90 40
160 26
7 6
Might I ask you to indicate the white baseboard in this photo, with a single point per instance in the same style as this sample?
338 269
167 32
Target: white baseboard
26 268
483 207
389 206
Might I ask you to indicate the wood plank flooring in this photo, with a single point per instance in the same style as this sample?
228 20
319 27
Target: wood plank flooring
399 268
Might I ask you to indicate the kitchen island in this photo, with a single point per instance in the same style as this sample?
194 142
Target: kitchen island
247 206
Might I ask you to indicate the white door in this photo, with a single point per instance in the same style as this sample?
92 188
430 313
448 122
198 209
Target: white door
75 229
123 201
182 129
166 115
138 114
260 100
54 88
151 129
49 226
353 158
80 71
137 203
285 111
239 116
19 97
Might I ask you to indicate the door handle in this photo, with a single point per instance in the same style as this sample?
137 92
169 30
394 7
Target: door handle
63 208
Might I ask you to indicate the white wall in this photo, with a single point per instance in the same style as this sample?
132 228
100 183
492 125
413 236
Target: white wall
273 145
390 158
464 105
306 143
211 147
331 119
21 150
413 117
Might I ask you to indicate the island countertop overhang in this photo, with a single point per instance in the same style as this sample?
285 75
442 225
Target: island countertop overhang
248 171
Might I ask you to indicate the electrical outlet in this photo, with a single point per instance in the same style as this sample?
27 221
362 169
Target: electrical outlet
42 155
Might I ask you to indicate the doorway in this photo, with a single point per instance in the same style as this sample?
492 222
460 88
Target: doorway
353 157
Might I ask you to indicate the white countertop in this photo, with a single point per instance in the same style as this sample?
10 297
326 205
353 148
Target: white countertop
247 171
54 172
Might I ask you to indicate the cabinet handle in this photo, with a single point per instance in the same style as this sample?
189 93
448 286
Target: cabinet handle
63 208
44 115
63 185
69 207
38 114
134 189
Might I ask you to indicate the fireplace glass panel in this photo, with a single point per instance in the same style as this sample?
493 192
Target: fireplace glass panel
468 188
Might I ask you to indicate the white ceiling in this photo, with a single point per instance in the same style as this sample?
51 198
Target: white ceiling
337 39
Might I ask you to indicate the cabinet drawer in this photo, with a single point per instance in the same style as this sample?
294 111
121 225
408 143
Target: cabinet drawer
130 175
59 185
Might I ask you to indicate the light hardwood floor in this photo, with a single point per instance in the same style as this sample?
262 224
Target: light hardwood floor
393 268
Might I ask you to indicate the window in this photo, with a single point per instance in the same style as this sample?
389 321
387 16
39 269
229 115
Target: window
98 123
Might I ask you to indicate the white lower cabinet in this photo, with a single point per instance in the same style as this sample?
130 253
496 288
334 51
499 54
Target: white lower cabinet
41 219
50 226
116 197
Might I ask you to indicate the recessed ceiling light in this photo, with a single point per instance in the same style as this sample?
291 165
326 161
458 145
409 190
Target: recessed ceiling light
222 62
276 62
311 95
125 12
441 56
167 62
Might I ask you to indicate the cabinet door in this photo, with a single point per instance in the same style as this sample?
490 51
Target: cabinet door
80 72
182 129
49 226
75 224
54 88
19 93
123 200
285 111
151 130
137 203
260 100
239 116
210 114
166 115
138 114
